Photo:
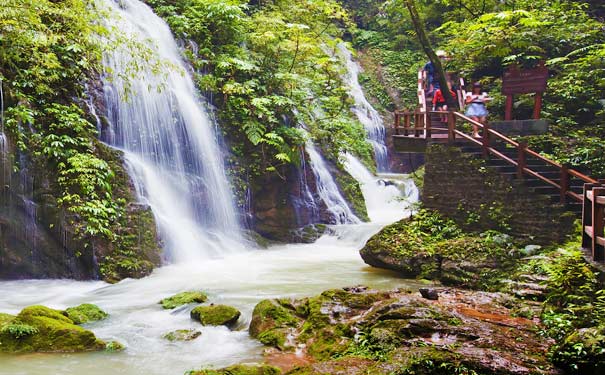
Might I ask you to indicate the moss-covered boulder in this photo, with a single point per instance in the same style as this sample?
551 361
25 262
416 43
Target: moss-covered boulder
216 315
241 370
271 323
431 247
41 329
183 298
85 313
182 335
361 331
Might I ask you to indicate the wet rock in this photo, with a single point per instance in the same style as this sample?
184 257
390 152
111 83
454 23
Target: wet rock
429 293
403 332
85 313
183 298
41 329
114 346
182 335
471 261
241 370
216 315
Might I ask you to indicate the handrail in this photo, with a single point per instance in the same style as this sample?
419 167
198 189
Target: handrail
419 122
593 220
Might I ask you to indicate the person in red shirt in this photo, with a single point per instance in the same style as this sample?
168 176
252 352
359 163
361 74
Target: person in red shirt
439 102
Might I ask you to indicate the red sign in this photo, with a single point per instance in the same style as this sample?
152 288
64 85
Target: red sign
526 81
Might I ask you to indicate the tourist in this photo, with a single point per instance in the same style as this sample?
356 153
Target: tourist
430 75
439 102
476 109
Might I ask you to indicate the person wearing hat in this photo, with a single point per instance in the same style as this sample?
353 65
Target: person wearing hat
476 109
430 76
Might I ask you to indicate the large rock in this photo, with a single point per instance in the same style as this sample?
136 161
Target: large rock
414 252
240 370
41 329
361 331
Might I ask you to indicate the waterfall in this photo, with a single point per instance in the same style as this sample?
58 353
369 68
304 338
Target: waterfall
327 188
168 138
388 196
367 115
306 207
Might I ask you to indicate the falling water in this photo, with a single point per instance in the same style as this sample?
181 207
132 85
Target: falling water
328 190
305 205
367 115
168 139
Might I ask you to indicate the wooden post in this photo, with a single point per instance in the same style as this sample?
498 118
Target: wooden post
521 159
406 123
598 225
564 183
586 216
417 122
427 117
508 109
537 106
397 122
451 127
485 141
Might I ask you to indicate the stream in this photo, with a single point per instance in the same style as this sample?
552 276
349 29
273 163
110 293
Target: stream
240 279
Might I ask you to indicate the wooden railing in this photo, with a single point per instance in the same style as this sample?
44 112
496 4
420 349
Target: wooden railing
418 124
593 220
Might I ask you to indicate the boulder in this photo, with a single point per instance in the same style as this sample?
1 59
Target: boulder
216 315
41 329
361 331
183 298
85 313
182 335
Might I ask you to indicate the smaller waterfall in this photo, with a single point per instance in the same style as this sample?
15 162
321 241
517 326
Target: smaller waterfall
387 197
305 201
366 114
327 188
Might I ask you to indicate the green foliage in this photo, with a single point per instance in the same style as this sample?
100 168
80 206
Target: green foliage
47 50
19 330
269 68
574 312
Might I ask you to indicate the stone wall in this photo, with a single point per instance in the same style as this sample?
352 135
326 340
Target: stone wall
478 198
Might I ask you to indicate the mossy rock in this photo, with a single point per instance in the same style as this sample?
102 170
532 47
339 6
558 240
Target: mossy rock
182 335
241 370
216 315
183 298
85 313
114 346
268 315
41 329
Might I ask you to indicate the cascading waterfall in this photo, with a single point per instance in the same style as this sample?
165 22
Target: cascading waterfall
387 196
367 115
305 202
327 188
168 138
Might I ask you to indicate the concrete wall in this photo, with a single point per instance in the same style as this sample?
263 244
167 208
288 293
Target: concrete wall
479 198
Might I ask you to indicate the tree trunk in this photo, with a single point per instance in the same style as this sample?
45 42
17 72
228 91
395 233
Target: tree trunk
428 49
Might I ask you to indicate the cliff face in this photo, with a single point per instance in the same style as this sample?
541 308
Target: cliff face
36 240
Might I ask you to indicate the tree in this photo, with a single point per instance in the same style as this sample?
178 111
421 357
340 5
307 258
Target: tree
428 49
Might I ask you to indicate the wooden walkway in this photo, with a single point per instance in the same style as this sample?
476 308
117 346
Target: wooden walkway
413 131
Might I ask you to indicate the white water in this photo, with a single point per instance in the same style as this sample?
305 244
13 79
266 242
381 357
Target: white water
367 115
240 279
168 139
327 188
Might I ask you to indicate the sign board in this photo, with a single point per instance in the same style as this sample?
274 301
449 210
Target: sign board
524 81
